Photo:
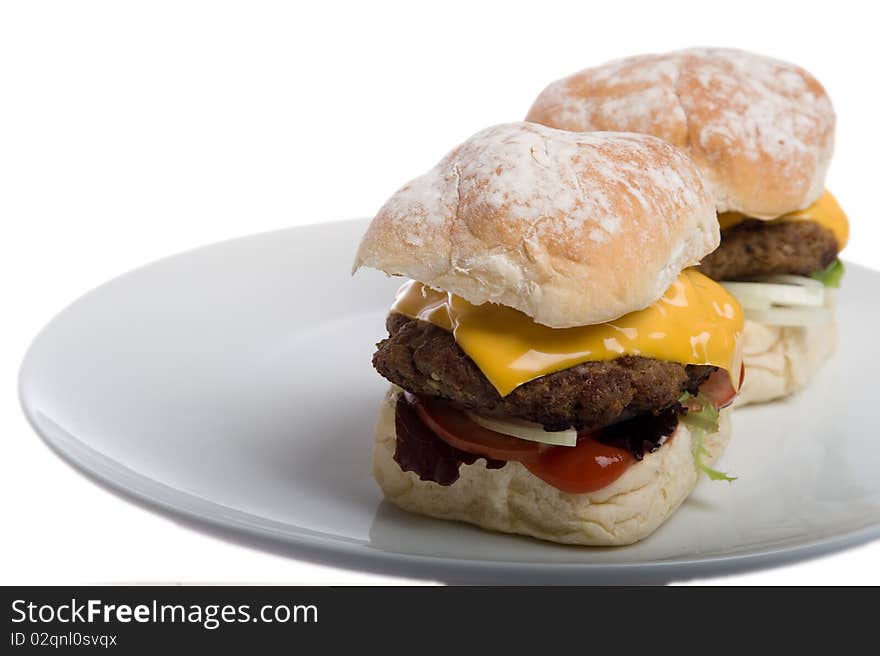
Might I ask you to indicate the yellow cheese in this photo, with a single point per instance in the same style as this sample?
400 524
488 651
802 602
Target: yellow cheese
696 322
826 212
729 219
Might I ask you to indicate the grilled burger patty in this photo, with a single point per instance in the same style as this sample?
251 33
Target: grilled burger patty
425 359
762 248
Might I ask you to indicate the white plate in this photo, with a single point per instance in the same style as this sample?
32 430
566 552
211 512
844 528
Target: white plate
232 384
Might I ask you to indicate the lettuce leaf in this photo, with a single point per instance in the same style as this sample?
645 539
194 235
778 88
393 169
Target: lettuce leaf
831 275
706 418
699 452
701 422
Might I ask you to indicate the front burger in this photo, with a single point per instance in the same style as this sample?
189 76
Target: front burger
557 369
762 133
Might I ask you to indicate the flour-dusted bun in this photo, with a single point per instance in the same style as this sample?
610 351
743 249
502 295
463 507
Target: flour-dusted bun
513 500
780 360
761 130
571 229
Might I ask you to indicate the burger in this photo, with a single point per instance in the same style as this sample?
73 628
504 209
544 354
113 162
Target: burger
557 367
762 133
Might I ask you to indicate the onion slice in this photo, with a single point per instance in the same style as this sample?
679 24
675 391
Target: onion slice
526 430
788 279
779 316
762 295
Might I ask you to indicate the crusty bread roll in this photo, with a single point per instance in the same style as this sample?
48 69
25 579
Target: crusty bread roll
571 229
513 500
780 360
761 130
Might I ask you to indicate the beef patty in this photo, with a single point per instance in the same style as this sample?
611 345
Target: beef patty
425 359
763 248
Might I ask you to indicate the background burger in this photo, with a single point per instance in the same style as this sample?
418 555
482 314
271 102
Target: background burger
556 368
762 133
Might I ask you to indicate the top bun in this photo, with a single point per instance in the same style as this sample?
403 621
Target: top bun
761 130
571 229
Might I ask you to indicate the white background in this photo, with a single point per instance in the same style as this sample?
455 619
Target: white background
130 131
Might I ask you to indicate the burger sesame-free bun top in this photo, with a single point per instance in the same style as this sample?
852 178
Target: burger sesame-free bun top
761 130
571 229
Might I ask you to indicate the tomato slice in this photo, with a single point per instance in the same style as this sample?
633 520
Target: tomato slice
587 467
457 429
719 388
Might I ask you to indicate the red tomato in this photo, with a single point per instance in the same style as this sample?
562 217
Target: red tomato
456 429
719 388
589 466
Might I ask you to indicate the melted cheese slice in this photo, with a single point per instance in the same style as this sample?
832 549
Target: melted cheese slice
696 322
826 212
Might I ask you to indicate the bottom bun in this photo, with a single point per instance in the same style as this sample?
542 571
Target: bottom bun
780 360
513 500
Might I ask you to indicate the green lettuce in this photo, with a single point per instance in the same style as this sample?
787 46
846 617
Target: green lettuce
831 275
701 422
699 452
